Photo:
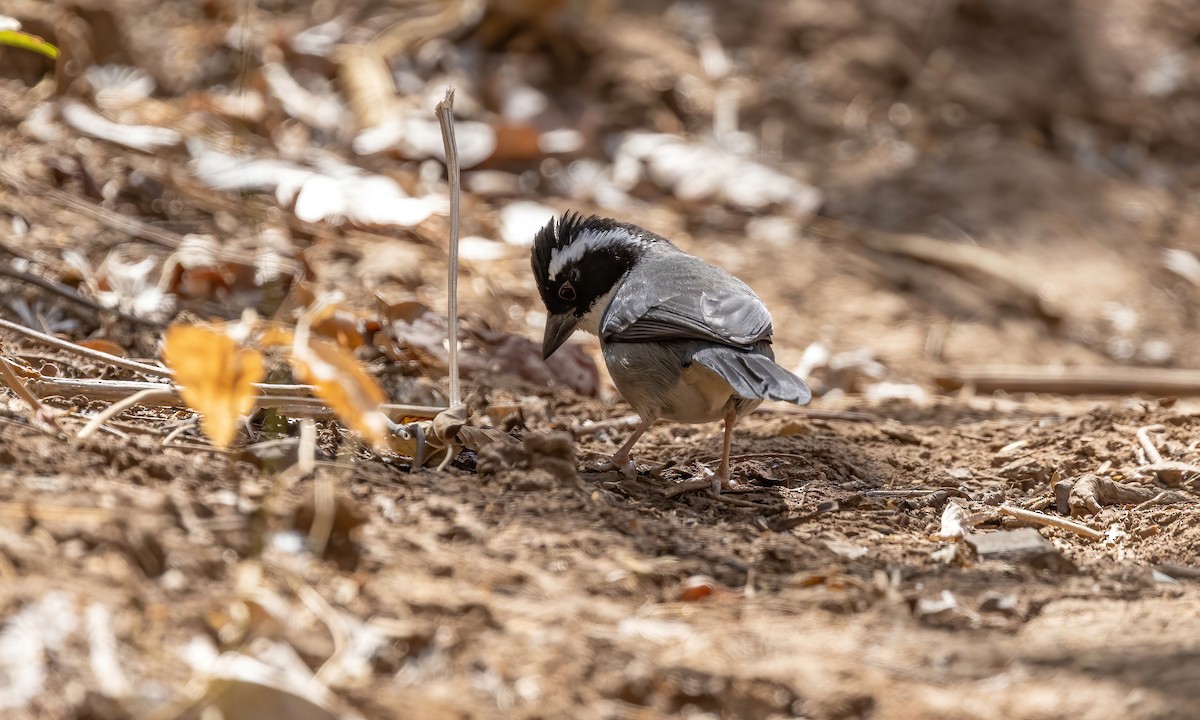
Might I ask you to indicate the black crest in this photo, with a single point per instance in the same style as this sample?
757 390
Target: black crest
561 232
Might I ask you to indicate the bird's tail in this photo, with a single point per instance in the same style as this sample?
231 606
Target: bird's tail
754 376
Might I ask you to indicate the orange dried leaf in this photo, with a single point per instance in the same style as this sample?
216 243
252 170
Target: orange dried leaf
217 377
276 336
698 587
344 384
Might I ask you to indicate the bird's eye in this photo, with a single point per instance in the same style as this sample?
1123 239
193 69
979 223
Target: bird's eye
567 292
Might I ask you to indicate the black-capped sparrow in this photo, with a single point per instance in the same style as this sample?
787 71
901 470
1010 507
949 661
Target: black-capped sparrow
683 339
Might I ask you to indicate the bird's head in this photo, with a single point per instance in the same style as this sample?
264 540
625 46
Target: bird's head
576 262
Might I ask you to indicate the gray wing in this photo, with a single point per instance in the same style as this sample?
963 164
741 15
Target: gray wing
674 296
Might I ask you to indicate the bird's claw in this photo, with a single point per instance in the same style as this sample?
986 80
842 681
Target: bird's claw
722 482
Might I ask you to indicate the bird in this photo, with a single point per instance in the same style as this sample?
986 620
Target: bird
683 340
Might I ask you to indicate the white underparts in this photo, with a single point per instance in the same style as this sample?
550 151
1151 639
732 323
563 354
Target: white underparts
591 319
700 396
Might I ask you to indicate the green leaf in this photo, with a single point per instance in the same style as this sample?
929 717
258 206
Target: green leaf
19 39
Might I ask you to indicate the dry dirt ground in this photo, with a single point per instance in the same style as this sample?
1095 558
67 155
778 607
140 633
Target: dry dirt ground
144 573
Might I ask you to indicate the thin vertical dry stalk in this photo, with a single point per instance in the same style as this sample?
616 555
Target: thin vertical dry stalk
445 116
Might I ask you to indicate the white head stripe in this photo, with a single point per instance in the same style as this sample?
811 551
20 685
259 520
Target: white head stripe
587 241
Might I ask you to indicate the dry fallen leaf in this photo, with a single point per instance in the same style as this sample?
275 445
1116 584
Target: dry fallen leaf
217 377
957 521
107 346
343 383
336 322
699 587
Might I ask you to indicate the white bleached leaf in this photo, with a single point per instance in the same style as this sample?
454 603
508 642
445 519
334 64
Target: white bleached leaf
319 40
146 138
657 631
222 171
847 549
336 192
319 198
40 628
130 287
102 644
41 124
115 87
379 200
479 249
956 522
322 112
520 221
420 138
880 391
699 171
943 603
1183 263
557 142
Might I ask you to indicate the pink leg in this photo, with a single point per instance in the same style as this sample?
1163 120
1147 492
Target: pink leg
721 479
621 460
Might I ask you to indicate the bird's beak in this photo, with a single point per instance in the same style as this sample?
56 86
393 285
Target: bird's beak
558 329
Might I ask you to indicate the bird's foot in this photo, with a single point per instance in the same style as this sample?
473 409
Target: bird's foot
724 482
626 466
718 482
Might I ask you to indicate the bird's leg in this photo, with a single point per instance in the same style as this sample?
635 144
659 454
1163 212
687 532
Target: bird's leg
621 460
721 478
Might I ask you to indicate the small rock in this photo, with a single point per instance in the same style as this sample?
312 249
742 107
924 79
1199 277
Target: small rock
1062 496
1027 471
1025 545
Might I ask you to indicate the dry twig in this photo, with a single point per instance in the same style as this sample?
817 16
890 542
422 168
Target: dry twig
1143 436
1168 466
445 116
1073 380
126 394
1163 498
10 378
67 346
1037 518
143 397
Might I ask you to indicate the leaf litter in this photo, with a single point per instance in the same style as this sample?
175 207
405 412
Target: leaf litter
510 583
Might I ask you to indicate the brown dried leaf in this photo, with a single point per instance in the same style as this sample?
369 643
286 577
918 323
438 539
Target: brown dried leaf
335 322
217 377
